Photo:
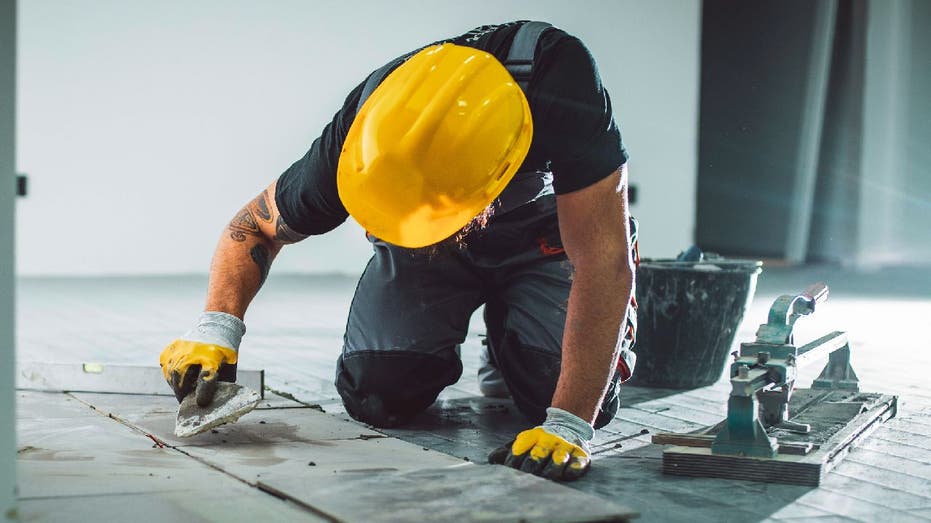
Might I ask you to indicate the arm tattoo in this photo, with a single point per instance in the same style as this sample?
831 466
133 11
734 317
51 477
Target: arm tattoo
261 258
285 234
243 224
261 207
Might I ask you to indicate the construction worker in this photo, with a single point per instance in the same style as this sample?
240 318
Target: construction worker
486 169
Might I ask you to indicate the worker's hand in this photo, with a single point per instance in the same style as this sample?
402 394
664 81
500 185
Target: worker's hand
204 356
557 450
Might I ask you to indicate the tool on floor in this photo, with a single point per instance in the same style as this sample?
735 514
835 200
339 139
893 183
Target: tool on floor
773 431
229 404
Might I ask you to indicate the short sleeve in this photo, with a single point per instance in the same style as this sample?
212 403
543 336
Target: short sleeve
306 192
573 120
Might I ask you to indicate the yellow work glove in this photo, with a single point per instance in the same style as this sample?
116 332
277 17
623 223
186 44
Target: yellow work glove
557 449
204 356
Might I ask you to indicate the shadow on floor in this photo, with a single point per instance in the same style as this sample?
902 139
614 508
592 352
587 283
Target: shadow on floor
632 394
637 475
468 428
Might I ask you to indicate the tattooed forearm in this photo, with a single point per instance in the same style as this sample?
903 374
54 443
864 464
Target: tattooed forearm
261 257
261 207
285 234
243 224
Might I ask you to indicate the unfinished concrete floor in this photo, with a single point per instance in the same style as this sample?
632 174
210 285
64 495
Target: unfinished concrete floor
111 457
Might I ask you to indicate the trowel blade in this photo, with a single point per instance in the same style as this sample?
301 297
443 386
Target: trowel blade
230 402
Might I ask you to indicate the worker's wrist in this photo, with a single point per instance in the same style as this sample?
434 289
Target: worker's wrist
218 328
568 426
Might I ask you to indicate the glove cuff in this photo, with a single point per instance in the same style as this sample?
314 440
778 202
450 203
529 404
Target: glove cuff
568 426
218 328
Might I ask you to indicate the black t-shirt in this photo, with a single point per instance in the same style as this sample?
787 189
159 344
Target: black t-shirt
574 134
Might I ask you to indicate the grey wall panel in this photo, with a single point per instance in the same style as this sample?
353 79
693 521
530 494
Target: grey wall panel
7 169
755 63
872 190
834 217
916 188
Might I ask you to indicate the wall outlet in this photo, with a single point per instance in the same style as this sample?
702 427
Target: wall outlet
22 184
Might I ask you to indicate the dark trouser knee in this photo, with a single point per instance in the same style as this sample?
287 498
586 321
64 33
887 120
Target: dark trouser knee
388 388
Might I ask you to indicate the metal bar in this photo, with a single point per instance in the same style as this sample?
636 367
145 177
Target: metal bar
820 347
117 379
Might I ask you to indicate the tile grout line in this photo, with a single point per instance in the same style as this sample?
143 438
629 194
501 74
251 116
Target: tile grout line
864 479
841 492
292 397
896 428
902 443
830 514
852 458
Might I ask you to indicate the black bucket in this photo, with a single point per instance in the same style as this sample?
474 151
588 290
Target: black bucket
687 318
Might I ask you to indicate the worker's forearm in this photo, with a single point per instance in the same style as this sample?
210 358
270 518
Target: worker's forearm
597 305
240 265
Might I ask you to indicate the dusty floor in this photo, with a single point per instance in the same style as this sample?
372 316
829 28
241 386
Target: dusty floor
90 455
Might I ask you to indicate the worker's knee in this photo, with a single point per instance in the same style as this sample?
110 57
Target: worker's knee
388 388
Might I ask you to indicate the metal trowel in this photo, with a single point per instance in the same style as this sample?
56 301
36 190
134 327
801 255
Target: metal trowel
230 402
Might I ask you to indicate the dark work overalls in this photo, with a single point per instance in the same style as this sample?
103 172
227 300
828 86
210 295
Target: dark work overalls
411 309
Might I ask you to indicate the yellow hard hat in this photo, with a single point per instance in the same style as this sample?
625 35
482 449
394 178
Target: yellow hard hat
433 145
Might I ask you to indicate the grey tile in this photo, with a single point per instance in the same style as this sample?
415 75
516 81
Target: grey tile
657 421
799 512
450 494
689 415
840 504
267 426
871 494
47 473
41 405
923 513
824 518
223 501
887 462
911 426
900 490
95 455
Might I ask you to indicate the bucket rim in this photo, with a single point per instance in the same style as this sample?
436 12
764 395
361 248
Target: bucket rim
722 263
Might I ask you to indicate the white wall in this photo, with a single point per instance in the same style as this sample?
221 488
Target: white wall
145 125
7 352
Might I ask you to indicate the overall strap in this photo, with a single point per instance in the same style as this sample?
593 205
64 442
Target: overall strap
520 58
